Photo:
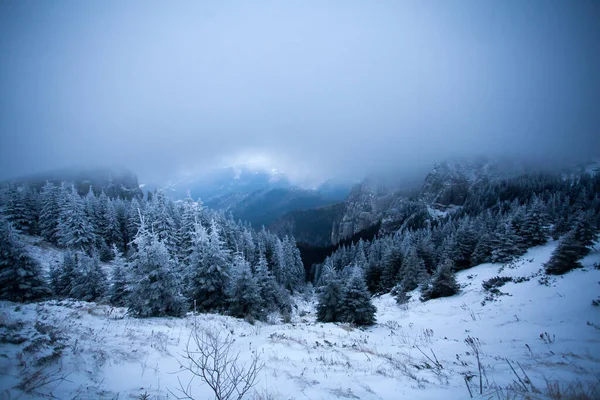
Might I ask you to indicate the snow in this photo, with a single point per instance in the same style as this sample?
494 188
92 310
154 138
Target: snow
106 354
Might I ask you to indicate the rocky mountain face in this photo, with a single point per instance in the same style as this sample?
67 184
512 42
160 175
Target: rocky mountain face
394 206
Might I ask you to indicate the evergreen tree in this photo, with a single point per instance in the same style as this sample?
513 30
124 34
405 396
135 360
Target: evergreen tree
505 244
74 229
443 283
533 230
392 264
330 297
243 293
573 247
49 213
119 290
466 241
413 271
20 275
154 286
483 250
356 306
208 262
89 281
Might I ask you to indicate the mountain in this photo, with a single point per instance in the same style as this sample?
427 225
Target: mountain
265 206
224 184
257 196
114 182
312 226
390 204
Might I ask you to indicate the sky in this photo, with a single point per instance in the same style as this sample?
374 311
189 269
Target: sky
315 89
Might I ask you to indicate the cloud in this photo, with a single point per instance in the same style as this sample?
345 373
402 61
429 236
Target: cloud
317 88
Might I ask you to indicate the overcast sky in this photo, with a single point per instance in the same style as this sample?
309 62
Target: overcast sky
315 88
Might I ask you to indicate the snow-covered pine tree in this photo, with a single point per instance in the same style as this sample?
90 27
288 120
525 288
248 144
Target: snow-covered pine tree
189 219
119 290
330 296
89 282
74 229
483 250
21 210
443 283
392 264
356 306
209 266
466 241
243 292
21 276
413 271
294 269
573 247
154 289
111 228
505 244
49 212
533 229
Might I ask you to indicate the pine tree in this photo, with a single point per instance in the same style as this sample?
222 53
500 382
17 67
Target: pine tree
330 297
533 229
483 250
413 271
189 219
89 281
154 286
119 290
20 275
356 306
49 212
208 262
443 283
243 292
74 229
466 241
573 247
392 264
505 244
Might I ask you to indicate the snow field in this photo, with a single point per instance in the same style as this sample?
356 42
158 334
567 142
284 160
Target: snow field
548 332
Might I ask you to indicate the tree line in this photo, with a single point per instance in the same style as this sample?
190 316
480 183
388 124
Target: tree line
156 256
497 222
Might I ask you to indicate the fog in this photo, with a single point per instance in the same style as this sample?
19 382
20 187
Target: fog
316 89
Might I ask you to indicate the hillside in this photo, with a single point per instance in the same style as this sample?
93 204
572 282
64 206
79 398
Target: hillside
546 328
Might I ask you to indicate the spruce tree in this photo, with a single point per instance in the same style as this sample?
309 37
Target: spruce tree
75 230
356 306
119 290
533 230
443 283
330 297
209 266
483 250
505 244
49 212
573 247
154 286
413 271
268 287
243 292
20 275
89 281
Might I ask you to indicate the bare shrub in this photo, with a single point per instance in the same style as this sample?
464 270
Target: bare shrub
209 356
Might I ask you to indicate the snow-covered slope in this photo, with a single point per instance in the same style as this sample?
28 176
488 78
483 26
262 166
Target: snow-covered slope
548 331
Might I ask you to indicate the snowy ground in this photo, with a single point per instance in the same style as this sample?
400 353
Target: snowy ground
548 332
